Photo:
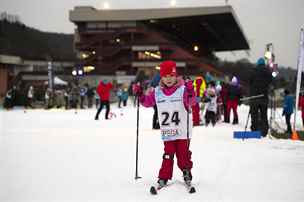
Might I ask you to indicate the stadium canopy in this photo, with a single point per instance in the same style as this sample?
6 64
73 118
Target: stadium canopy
217 28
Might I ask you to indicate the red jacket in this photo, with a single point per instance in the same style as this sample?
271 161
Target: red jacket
103 91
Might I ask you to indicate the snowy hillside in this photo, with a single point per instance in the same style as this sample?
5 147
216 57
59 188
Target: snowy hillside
57 156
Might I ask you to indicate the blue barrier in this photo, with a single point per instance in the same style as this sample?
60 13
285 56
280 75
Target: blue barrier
247 134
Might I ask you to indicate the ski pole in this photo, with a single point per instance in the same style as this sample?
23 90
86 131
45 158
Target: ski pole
252 97
188 141
247 122
188 112
137 127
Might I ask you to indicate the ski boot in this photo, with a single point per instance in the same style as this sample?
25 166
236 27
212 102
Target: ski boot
162 182
187 175
235 121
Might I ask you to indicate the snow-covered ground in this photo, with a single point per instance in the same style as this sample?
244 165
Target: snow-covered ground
58 156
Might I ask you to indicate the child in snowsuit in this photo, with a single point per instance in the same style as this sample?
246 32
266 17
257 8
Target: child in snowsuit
288 109
173 99
211 100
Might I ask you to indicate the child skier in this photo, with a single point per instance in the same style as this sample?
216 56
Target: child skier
211 110
173 98
288 109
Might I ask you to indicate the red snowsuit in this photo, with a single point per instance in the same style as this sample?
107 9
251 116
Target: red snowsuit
232 102
179 146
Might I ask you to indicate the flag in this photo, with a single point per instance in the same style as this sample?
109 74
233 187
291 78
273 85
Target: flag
300 69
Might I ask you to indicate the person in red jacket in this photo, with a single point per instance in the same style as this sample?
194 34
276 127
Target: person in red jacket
103 90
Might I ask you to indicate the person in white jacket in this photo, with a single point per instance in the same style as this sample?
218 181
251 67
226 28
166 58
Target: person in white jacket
211 107
30 96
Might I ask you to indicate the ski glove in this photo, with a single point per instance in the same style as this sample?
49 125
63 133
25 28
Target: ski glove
137 89
189 88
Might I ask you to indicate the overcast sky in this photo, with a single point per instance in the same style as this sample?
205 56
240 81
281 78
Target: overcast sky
263 21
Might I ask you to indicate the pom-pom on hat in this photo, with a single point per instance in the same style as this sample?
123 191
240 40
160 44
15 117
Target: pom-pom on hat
167 68
234 80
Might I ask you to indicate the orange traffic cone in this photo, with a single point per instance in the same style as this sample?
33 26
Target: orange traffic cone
294 135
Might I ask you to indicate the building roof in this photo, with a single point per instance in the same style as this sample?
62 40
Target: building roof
217 28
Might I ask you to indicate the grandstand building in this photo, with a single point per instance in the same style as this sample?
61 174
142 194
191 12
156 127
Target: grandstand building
125 41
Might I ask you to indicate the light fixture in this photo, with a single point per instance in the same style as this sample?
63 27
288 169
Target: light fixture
74 72
93 52
84 55
157 67
154 55
173 2
80 72
88 68
106 5
118 40
195 48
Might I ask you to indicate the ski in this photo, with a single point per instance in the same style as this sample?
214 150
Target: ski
190 187
154 189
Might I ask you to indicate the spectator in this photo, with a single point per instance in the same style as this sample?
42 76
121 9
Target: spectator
74 96
47 98
124 96
30 97
288 109
97 99
8 102
199 85
66 97
259 84
103 91
119 94
211 107
219 101
90 95
234 94
83 93
224 98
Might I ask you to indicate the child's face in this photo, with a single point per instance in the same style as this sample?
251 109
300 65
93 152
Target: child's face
169 80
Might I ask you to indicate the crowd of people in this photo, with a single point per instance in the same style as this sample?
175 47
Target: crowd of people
215 100
69 96
218 100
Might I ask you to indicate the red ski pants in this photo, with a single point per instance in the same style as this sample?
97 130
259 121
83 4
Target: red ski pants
195 114
183 155
232 104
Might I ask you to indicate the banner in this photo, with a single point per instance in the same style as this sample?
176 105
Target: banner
299 76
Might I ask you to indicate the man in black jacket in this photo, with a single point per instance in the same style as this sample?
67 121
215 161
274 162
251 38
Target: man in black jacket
259 84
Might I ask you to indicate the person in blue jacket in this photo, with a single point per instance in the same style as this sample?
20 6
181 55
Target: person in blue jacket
288 109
